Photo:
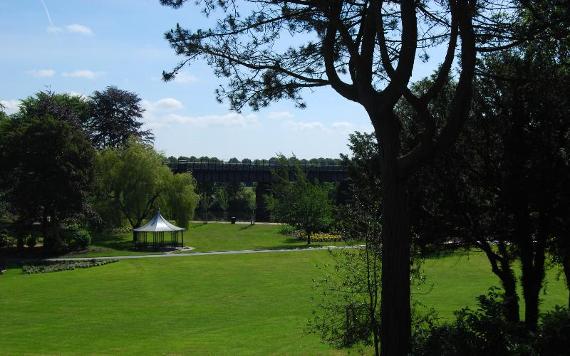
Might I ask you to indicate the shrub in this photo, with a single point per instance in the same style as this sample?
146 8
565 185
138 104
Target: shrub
31 241
5 240
476 332
287 229
554 333
76 237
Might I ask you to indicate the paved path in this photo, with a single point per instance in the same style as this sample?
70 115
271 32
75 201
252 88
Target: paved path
237 252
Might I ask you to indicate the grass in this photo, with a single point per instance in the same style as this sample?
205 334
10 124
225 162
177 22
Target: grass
231 304
206 237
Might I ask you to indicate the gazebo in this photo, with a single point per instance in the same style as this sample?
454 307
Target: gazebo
158 226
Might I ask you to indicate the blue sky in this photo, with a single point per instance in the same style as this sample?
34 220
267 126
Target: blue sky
84 45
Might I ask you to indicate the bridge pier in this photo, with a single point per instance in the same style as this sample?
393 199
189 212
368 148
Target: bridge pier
261 211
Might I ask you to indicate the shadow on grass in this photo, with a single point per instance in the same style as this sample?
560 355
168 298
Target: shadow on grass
248 226
113 241
444 252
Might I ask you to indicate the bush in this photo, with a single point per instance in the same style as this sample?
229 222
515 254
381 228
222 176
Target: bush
5 239
476 332
554 333
31 241
287 230
76 237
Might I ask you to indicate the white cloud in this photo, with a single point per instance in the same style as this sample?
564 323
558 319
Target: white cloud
280 115
74 93
304 126
185 78
168 104
74 28
80 29
10 106
163 112
83 73
164 104
336 127
231 119
42 73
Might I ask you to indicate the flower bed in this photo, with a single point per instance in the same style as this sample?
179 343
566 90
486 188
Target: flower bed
318 237
57 266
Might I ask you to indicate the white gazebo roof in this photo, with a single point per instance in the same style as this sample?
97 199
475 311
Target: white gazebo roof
158 224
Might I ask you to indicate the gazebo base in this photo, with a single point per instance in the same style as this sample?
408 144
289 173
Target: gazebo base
157 240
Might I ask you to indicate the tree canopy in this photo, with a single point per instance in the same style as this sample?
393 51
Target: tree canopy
47 170
134 178
114 117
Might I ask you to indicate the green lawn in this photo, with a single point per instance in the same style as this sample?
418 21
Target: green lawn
206 237
230 304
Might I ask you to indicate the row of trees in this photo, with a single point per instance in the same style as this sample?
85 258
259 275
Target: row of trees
273 160
74 161
223 200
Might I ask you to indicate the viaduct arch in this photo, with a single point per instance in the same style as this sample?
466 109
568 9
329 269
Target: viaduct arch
259 173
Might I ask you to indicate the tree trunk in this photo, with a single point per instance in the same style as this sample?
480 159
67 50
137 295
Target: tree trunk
510 298
532 261
308 238
501 267
395 321
531 251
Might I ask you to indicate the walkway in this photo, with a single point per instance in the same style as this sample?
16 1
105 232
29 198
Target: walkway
237 252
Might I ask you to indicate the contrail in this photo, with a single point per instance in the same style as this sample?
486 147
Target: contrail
47 13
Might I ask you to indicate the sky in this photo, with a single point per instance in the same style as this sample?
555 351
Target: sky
79 46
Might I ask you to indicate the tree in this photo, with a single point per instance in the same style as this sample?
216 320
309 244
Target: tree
114 116
222 199
47 169
365 51
179 198
349 311
248 196
527 97
132 178
72 109
369 43
302 204
206 191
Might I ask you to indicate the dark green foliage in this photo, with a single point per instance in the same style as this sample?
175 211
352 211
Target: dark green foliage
114 116
5 239
47 171
31 241
76 237
58 266
483 331
71 109
554 333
